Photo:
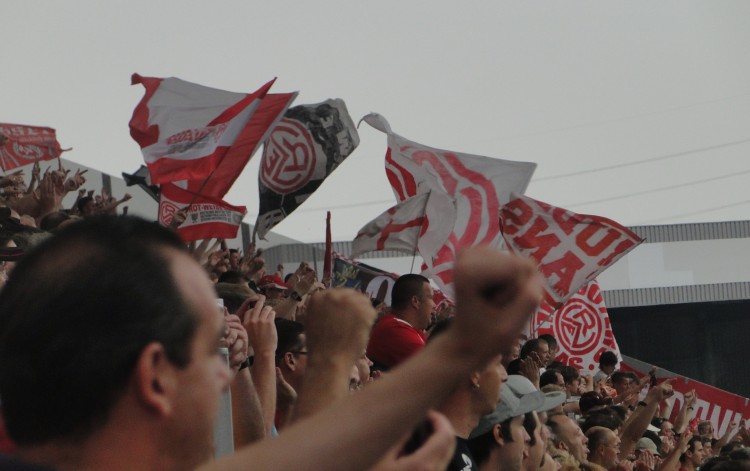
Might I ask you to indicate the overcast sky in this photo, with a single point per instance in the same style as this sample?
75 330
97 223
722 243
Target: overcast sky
634 110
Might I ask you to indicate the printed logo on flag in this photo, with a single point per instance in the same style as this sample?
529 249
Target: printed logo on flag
581 327
289 158
307 145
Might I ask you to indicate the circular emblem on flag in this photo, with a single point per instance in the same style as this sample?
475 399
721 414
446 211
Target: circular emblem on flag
166 211
289 157
578 327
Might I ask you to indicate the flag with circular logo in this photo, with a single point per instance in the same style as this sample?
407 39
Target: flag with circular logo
581 327
302 150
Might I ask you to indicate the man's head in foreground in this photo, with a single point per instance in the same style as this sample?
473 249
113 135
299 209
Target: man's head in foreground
110 326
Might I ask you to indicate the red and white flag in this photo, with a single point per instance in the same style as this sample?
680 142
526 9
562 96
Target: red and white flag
581 327
185 129
207 217
269 113
22 145
571 249
479 185
406 226
396 229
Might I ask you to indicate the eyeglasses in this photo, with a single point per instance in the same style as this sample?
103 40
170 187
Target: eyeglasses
299 352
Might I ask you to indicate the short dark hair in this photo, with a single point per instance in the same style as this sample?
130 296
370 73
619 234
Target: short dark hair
75 316
530 346
288 332
608 359
691 447
618 376
482 445
404 288
548 377
569 373
550 339
602 418
81 204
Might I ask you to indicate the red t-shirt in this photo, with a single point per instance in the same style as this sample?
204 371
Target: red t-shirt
393 340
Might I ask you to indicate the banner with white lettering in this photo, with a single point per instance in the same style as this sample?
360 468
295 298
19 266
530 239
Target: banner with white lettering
571 249
581 327
306 146
716 405
479 186
206 218
22 145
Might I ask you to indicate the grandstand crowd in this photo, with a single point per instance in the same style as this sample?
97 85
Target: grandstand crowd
110 331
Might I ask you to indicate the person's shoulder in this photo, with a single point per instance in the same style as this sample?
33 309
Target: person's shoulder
462 459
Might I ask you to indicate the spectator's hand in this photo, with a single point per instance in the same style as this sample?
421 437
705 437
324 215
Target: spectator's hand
303 279
35 171
73 183
661 391
684 441
445 311
252 262
338 324
691 398
434 454
258 322
530 369
495 293
646 458
236 339
667 444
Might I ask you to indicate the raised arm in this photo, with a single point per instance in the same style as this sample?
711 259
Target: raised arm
495 294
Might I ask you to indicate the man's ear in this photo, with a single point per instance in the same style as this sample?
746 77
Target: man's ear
290 361
155 379
415 301
497 433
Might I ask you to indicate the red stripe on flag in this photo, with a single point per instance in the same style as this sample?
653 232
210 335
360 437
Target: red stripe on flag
150 135
409 186
269 112
394 228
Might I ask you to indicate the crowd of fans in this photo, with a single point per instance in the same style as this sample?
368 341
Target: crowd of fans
300 352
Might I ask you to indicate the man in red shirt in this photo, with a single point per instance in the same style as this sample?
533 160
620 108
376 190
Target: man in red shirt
400 334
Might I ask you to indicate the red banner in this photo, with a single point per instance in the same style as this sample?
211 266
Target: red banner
714 404
571 249
22 145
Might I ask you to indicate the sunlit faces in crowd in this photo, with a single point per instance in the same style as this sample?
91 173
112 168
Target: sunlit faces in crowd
569 437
